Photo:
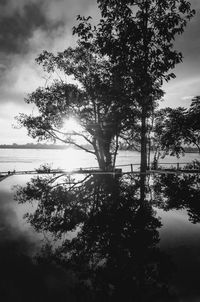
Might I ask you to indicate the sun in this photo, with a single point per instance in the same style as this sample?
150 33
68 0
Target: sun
73 129
71 125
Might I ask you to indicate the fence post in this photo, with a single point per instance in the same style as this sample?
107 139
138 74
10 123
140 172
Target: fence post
131 168
177 166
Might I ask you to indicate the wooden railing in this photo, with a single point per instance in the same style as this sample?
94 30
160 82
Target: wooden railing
174 168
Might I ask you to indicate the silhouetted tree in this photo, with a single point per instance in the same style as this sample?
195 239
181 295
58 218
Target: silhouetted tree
120 66
138 37
96 101
178 128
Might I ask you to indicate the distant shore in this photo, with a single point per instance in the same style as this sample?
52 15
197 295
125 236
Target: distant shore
63 147
33 146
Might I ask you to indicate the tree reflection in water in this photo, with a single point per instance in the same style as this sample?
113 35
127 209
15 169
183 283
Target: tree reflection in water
179 191
112 249
182 192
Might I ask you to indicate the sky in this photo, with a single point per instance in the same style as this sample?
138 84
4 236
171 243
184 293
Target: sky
27 27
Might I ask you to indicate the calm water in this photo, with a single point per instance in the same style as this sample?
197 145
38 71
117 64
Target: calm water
179 234
29 159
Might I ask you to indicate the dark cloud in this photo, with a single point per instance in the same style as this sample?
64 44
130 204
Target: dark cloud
17 28
26 29
19 19
3 2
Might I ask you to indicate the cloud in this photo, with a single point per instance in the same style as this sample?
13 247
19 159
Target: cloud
67 10
19 20
195 4
29 28
187 97
20 78
10 7
17 28
180 91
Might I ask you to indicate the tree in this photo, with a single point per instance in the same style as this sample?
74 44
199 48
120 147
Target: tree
178 128
193 121
95 101
120 65
138 37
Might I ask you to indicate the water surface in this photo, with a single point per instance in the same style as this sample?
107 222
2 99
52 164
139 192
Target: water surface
174 229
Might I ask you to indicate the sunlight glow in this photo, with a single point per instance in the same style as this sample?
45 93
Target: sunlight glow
71 125
72 128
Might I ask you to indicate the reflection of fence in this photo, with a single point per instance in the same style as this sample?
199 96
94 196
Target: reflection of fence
119 169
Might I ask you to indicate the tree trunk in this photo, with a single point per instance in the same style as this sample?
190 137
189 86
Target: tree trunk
143 162
103 154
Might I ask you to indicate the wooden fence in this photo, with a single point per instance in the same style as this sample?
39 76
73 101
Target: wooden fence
119 169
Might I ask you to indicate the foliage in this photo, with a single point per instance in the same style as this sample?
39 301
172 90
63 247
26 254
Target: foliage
194 120
178 128
138 37
120 66
97 102
180 192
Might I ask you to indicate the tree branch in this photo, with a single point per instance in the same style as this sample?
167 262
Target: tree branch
69 142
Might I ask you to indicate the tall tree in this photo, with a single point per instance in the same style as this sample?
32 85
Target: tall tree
121 65
94 101
138 37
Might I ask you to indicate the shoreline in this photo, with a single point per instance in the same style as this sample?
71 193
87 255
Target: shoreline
67 147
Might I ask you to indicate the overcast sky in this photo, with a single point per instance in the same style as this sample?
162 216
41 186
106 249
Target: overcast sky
29 26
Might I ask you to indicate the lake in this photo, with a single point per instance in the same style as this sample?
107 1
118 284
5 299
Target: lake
179 232
69 159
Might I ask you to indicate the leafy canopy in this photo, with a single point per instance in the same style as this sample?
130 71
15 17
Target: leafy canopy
97 101
177 128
